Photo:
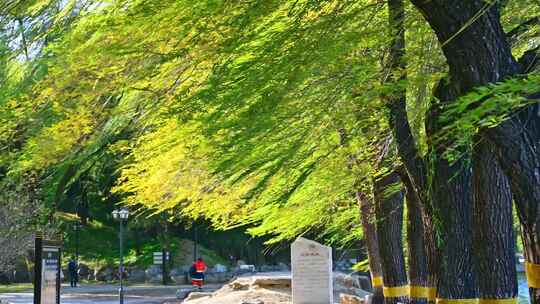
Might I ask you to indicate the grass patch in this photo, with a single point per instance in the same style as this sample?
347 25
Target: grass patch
16 288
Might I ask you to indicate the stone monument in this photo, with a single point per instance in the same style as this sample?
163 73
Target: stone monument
311 265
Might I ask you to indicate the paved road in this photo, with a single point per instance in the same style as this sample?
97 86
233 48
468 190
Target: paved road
105 294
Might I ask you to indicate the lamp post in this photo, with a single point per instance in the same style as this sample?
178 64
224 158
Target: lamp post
77 227
195 242
121 215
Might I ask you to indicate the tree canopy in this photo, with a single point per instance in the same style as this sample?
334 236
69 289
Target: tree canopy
264 114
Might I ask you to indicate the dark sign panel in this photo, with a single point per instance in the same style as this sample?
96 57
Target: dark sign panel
47 271
49 274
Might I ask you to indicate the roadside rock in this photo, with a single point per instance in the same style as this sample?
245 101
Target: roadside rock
6 278
348 299
274 289
249 290
84 271
179 276
218 277
240 263
21 274
348 281
220 268
153 274
137 275
258 301
104 274
197 295
283 267
272 282
363 281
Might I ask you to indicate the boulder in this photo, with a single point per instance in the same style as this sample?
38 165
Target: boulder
363 282
219 277
257 301
91 275
104 274
245 269
238 285
349 299
178 276
347 284
283 267
180 280
268 268
21 276
6 277
153 274
197 295
343 266
137 275
345 280
155 279
83 271
272 282
220 268
245 291
183 293
240 263
21 273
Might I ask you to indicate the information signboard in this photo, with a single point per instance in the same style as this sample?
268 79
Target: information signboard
47 271
158 257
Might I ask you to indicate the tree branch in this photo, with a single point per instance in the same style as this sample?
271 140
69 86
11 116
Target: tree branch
513 34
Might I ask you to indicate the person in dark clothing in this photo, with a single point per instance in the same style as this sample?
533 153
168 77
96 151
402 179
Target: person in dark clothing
73 276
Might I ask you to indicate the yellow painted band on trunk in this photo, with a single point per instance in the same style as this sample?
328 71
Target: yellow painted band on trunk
457 301
533 274
478 301
499 301
377 282
423 292
396 292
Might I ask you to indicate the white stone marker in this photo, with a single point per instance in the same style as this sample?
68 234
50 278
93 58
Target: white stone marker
311 265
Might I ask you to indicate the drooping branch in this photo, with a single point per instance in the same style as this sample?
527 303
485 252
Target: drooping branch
396 103
514 34
23 38
529 61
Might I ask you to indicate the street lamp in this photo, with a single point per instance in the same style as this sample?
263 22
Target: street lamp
77 227
121 215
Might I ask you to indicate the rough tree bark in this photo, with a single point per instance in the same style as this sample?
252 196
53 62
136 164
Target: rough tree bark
415 168
517 143
418 271
367 216
478 53
494 242
452 200
389 219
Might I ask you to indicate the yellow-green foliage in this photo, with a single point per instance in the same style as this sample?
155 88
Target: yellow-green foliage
263 113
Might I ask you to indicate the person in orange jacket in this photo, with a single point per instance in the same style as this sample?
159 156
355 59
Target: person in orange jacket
197 273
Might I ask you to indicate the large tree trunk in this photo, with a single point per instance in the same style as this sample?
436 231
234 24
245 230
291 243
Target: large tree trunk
478 53
389 215
422 288
452 200
494 242
517 143
367 216
421 232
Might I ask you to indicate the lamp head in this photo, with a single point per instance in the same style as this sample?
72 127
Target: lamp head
123 213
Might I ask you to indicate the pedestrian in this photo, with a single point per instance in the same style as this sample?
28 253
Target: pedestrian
72 269
197 273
